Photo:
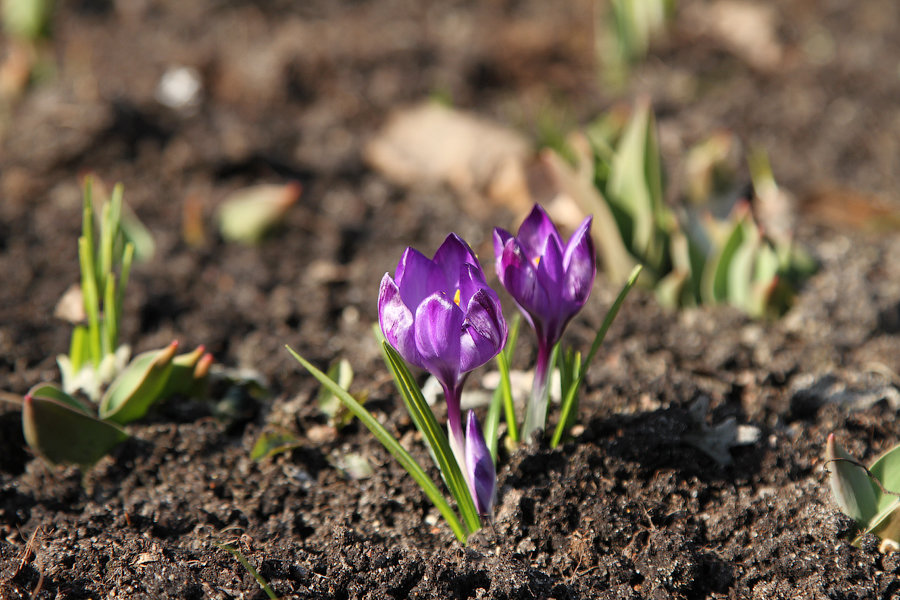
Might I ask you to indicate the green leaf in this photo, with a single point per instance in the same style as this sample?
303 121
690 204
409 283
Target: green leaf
48 390
504 359
740 273
183 378
502 397
391 445
887 469
341 372
855 494
635 186
568 401
246 564
62 434
433 435
91 296
271 443
131 394
715 276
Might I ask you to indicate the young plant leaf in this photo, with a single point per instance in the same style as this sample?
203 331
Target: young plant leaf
271 443
886 469
433 435
62 434
48 390
568 401
341 372
853 490
132 393
391 445
183 378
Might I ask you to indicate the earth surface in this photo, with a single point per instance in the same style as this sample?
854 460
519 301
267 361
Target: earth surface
295 91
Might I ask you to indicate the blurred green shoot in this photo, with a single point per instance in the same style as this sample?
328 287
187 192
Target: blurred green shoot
710 250
625 30
338 416
105 260
868 495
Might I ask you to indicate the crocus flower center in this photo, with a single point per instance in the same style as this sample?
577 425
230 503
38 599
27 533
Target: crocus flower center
536 260
456 297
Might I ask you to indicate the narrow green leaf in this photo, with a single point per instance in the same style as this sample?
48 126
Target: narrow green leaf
132 393
391 445
124 274
91 297
62 434
569 399
107 236
111 317
503 393
259 578
740 274
715 276
853 491
79 347
433 435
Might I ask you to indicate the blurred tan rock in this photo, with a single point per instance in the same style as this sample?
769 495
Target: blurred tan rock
431 144
747 29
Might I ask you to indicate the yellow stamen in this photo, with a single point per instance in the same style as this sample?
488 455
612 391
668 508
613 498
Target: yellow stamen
536 260
456 297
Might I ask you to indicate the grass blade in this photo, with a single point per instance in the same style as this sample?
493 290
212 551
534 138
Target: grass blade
434 436
246 564
569 399
392 446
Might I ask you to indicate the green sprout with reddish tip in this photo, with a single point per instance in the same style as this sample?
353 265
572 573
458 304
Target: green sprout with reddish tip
61 426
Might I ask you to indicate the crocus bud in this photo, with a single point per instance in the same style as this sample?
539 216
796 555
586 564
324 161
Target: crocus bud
480 472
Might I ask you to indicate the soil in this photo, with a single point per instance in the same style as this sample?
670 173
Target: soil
292 92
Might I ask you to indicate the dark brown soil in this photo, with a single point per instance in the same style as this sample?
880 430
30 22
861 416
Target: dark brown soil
292 91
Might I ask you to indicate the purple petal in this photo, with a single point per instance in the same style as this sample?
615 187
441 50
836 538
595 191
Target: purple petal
470 281
480 471
535 230
396 320
439 324
520 278
418 277
485 332
501 237
451 257
580 262
549 267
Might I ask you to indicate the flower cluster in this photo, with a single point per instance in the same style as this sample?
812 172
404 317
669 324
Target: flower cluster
439 314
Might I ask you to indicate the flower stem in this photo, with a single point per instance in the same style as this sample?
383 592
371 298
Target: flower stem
456 435
536 413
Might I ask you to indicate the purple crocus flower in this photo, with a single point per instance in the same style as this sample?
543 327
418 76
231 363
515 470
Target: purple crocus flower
550 281
440 315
